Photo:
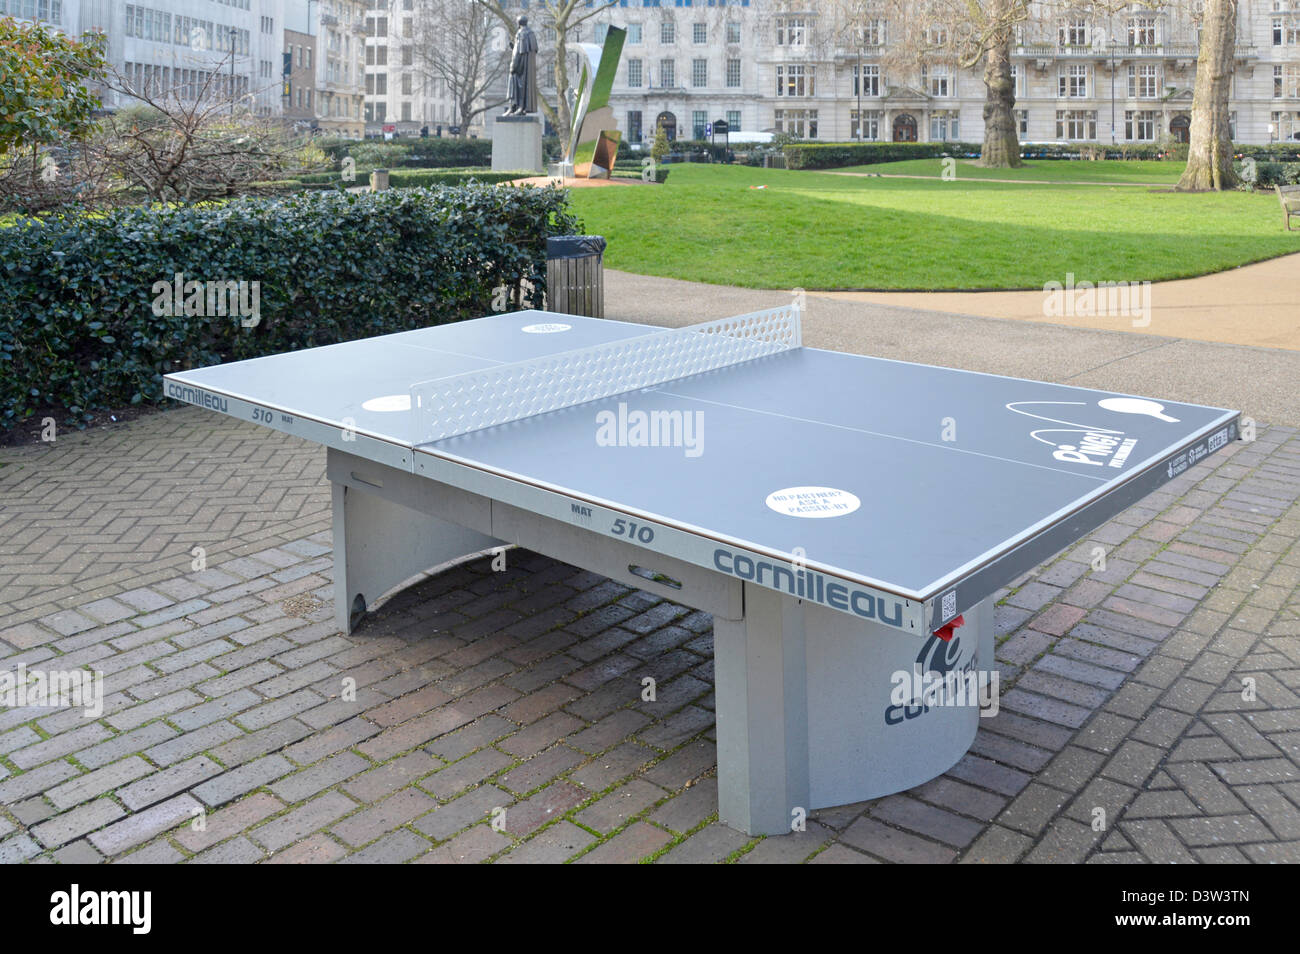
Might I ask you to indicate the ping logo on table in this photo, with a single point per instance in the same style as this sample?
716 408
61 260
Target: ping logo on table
810 585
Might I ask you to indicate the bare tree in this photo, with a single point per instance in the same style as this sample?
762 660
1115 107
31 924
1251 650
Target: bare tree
1209 151
557 23
461 45
195 142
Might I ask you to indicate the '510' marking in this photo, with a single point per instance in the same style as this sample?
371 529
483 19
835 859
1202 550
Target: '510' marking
625 528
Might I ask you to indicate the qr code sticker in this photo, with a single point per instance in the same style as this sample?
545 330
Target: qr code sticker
949 607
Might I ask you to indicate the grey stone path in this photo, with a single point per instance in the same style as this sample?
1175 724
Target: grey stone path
478 691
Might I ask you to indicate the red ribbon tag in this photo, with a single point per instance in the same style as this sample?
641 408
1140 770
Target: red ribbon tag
944 632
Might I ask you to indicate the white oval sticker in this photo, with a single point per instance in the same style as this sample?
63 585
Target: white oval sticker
389 402
546 328
813 502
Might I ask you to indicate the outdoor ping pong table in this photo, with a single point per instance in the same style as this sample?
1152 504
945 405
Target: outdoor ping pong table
847 520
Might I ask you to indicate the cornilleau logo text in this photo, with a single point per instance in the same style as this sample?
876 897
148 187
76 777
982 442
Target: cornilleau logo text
191 395
809 585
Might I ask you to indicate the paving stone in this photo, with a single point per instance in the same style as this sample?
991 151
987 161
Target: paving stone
629 846
379 819
324 774
139 827
472 847
553 846
312 816
469 809
161 785
228 822
78 822
242 779
892 845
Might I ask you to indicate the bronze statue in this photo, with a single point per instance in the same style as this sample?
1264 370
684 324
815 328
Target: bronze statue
523 72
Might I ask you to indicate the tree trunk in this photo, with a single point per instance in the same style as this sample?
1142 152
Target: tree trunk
1209 153
1001 142
563 117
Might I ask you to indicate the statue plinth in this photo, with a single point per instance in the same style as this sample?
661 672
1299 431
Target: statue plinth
517 144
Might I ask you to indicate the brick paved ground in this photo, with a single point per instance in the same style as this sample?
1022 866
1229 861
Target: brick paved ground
478 691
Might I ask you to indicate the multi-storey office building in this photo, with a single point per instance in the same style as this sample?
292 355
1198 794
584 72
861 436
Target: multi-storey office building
232 48
401 94
1123 77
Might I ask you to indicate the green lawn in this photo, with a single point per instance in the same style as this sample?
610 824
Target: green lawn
1039 170
708 223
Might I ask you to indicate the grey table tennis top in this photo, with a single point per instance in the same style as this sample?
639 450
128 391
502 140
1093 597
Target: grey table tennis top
952 472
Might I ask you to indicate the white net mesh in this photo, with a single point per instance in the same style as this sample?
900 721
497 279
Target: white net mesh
447 407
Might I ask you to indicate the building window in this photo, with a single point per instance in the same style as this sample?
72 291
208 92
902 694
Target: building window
733 74
733 32
1017 80
1139 125
943 127
599 32
1073 32
796 122
699 33
1144 82
699 119
1022 121
1277 31
937 36
870 124
634 73
1073 81
1289 83
406 84
406 112
1078 124
1142 31
937 80
870 85
634 34
796 81
667 73
634 125
733 120
872 33
667 32
699 72
791 31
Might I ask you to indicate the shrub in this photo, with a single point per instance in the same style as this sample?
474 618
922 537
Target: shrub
421 153
406 178
81 290
1269 174
833 155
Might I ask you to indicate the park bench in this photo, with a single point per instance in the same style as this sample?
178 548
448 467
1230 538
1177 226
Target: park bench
1289 196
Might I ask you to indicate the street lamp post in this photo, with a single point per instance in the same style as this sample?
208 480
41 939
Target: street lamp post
859 87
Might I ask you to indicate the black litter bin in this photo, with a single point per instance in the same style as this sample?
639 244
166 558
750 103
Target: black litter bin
575 275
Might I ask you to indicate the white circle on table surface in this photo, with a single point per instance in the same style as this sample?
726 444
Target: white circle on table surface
546 328
813 502
389 402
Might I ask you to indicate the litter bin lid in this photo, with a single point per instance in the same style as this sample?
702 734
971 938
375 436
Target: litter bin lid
574 246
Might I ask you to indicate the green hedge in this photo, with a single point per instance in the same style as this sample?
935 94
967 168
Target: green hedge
405 178
629 170
1274 152
832 155
432 153
1269 174
81 291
